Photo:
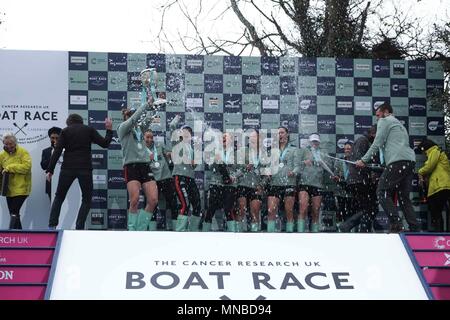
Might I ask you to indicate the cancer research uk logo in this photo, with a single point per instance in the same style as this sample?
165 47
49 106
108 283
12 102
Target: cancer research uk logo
28 122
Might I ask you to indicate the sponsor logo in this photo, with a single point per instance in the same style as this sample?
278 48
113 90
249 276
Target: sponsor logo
287 66
98 60
78 100
75 81
433 125
97 81
251 122
78 59
417 107
376 104
233 103
399 68
362 67
271 66
305 104
305 122
327 123
98 199
99 178
117 63
326 66
362 105
175 63
214 102
97 100
341 142
399 87
378 68
417 125
194 63
270 104
95 121
212 63
116 179
362 83
345 105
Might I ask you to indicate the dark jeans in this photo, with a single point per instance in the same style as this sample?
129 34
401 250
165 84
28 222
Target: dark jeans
66 178
14 205
397 177
436 203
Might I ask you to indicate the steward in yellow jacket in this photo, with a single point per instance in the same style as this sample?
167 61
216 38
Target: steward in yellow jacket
437 169
16 161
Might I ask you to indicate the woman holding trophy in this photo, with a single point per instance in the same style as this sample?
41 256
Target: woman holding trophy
136 156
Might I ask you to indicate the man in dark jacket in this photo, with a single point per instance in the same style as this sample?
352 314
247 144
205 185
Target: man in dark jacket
76 140
53 134
358 182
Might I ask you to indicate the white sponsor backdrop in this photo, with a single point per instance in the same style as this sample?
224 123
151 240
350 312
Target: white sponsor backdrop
33 98
169 265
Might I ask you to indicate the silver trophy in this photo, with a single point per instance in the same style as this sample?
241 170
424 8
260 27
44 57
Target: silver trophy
149 79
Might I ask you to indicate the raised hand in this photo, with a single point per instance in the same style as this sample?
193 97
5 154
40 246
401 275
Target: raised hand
108 123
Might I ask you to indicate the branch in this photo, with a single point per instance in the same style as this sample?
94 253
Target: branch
255 39
363 22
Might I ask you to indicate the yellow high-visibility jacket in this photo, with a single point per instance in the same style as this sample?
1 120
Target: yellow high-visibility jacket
18 164
437 168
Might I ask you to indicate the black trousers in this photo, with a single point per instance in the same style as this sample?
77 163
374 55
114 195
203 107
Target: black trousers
220 197
188 195
66 178
436 203
345 208
397 177
14 205
362 207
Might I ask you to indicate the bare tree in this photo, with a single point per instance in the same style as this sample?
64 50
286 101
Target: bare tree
336 28
441 44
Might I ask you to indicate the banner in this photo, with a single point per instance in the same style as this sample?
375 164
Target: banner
169 266
33 98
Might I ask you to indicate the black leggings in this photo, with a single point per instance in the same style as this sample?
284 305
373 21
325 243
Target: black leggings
167 189
220 197
436 203
188 194
14 205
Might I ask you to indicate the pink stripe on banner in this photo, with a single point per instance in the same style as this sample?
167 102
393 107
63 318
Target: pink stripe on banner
27 240
22 292
433 259
24 274
441 293
437 276
428 242
26 256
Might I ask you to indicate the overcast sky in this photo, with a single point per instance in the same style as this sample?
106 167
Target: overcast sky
122 26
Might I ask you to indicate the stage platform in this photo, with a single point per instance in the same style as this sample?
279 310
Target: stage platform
163 265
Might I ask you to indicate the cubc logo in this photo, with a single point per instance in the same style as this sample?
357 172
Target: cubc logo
433 125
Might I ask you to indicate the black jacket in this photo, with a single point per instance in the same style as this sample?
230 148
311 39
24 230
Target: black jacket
357 175
76 141
45 160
